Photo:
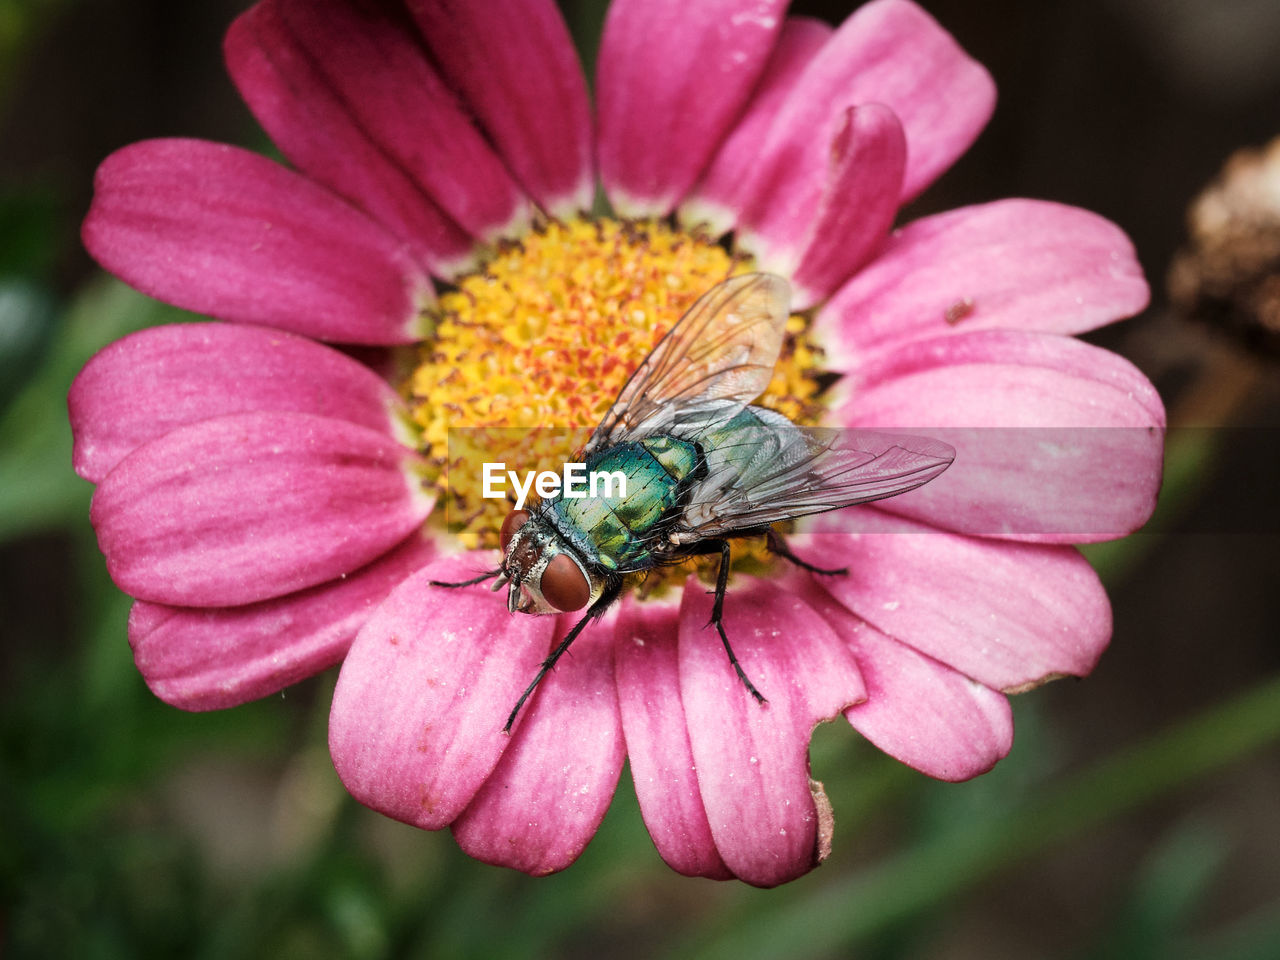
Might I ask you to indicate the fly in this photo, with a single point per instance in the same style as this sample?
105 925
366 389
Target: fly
703 466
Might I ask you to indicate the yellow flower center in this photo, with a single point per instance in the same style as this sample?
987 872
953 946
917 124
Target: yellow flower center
529 352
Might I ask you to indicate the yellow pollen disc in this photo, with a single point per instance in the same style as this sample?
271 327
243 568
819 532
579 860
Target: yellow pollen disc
544 336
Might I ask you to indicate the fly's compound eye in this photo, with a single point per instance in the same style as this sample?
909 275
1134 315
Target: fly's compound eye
563 585
515 520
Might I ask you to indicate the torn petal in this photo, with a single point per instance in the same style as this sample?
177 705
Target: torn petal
752 758
1005 614
918 710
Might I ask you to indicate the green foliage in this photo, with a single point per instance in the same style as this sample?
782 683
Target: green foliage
38 491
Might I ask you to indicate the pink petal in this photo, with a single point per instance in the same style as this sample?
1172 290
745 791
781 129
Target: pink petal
857 209
141 387
1064 355
716 199
1056 440
752 759
672 78
917 710
1021 264
253 506
549 792
225 232
417 717
892 53
346 93
657 735
514 64
210 659
1009 615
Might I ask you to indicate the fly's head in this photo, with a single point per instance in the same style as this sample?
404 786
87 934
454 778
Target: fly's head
542 573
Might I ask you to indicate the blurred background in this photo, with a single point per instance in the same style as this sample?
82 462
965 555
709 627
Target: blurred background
1138 815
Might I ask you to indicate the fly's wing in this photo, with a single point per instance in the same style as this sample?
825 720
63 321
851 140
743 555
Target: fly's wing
715 361
762 469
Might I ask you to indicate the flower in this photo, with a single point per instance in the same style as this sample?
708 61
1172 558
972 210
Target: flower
262 496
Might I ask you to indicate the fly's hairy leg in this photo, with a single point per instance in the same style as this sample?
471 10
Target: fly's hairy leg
594 611
777 545
717 612
467 583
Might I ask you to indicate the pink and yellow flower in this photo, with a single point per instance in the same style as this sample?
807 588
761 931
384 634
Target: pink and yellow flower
262 494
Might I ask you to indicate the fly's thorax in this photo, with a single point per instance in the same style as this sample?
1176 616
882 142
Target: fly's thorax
620 529
545 573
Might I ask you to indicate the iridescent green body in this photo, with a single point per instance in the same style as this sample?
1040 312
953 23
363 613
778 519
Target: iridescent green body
666 477
618 531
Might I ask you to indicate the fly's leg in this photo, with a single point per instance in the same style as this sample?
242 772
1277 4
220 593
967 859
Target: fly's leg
467 583
717 612
610 594
777 545
546 665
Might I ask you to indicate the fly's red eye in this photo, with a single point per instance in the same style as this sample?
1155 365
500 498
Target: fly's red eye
564 586
515 520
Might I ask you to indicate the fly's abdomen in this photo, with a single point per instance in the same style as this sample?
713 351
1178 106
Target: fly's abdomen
636 485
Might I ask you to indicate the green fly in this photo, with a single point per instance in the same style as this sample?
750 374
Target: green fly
702 466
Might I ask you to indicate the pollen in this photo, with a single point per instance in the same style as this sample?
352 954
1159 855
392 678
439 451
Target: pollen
528 353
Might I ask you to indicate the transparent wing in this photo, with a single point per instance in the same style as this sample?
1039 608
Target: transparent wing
717 359
762 469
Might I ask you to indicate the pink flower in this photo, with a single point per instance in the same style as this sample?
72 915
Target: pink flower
260 495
